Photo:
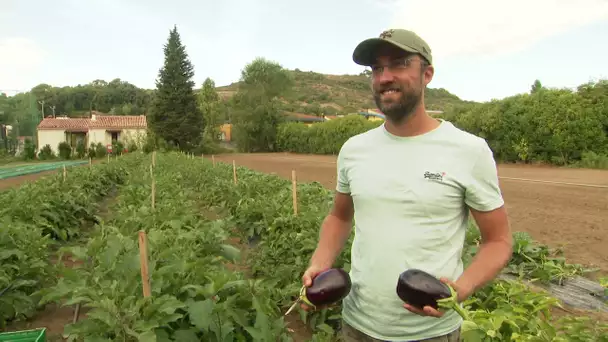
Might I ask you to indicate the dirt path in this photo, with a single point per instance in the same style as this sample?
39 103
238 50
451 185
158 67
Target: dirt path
572 217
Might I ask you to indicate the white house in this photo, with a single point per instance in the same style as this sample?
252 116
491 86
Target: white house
99 128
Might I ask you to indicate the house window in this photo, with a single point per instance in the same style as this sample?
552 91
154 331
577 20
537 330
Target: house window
114 137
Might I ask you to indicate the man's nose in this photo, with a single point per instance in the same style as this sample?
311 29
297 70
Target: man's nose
384 75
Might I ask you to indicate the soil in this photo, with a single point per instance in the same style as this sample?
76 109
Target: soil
53 317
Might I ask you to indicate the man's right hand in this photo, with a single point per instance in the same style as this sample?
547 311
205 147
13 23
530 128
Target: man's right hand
307 278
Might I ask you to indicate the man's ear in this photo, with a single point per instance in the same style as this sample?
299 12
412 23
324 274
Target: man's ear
428 74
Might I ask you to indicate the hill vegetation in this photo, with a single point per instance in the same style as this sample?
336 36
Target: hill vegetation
320 94
554 126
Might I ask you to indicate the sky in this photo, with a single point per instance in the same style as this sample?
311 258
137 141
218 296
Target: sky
482 50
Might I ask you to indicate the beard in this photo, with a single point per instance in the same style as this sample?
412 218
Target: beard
400 107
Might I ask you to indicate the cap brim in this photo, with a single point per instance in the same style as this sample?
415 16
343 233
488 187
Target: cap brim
365 52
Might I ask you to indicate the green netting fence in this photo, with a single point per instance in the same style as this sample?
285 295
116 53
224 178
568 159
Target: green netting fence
21 170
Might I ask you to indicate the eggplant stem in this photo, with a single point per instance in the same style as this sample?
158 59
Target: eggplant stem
292 307
304 298
301 298
452 303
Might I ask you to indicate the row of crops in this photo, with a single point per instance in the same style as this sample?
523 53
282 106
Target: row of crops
199 288
35 218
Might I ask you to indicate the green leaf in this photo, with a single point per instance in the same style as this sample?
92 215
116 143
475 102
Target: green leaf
200 313
148 336
230 252
185 335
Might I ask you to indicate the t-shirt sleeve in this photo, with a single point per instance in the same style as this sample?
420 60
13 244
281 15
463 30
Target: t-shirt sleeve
483 191
342 183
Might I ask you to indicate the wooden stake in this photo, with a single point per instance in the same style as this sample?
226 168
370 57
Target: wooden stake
154 158
153 187
294 192
90 162
108 158
213 159
143 261
65 173
234 170
76 314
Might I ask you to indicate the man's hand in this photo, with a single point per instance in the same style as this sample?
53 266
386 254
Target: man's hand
334 232
307 278
462 291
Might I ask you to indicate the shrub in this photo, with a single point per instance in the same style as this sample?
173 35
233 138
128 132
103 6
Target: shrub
81 149
46 153
100 150
118 148
29 150
321 138
65 150
92 151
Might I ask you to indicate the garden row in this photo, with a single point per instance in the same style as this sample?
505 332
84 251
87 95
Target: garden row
38 216
194 295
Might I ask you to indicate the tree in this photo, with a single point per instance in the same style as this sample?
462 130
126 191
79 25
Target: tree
257 110
536 87
211 109
174 115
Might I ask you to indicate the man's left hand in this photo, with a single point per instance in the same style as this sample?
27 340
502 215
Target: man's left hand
462 294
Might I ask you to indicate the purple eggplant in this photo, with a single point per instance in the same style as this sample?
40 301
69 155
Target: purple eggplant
328 287
420 289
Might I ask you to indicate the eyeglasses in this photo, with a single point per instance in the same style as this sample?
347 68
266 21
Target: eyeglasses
394 65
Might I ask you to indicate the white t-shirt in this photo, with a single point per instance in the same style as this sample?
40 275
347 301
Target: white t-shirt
410 196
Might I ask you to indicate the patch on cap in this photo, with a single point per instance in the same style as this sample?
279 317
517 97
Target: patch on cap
387 34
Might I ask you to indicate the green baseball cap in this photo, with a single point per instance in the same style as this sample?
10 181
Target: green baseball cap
365 52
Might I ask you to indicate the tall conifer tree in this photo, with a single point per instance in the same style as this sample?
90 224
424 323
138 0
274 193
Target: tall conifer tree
174 115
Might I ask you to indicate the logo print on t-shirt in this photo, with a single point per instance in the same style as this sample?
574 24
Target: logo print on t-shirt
436 176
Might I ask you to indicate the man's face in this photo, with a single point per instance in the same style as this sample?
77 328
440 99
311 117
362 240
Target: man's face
398 81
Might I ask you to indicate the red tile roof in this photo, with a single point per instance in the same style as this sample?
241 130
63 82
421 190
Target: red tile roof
64 124
119 121
99 121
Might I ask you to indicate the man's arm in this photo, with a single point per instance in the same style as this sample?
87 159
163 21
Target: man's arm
336 226
484 198
494 251
335 230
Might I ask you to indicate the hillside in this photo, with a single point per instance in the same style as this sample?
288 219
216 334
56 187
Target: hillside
315 93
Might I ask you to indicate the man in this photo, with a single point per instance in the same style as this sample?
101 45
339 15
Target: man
409 185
